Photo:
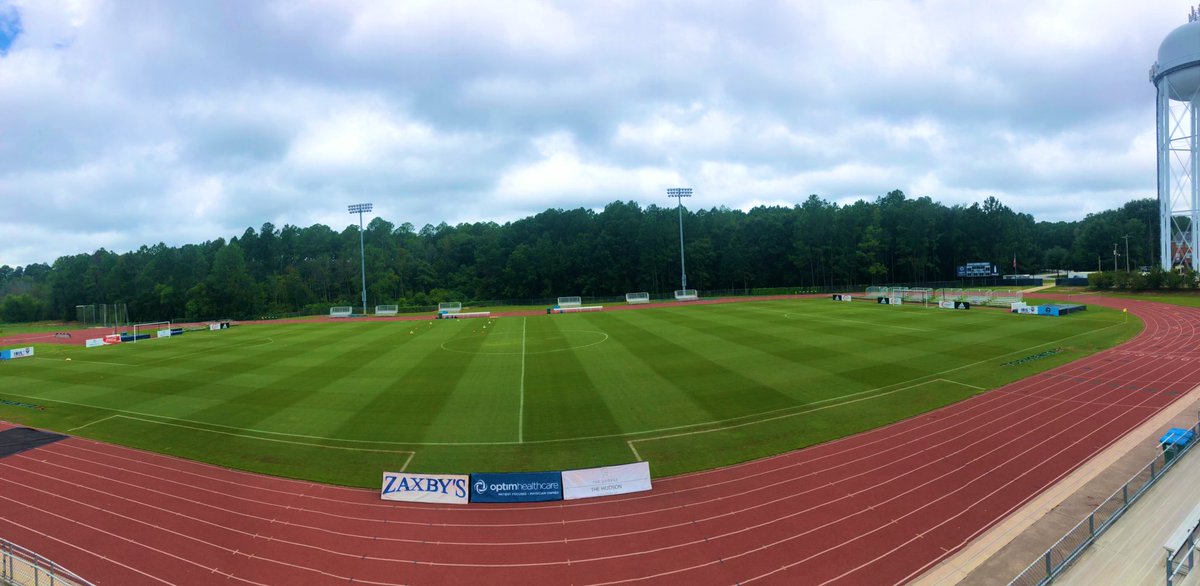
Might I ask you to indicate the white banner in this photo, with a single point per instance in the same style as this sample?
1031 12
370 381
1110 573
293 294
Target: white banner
94 342
425 488
164 333
214 327
22 352
610 480
946 305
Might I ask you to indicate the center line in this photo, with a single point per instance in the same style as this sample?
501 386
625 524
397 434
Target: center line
521 413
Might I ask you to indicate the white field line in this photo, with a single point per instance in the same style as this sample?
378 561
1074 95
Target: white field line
94 422
777 417
521 412
954 382
407 460
573 439
265 439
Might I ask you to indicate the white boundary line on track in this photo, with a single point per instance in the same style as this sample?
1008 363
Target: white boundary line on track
718 423
521 411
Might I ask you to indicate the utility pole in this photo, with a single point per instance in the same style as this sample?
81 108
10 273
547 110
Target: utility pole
1126 237
1114 257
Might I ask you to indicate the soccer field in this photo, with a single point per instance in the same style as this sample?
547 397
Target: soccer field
684 387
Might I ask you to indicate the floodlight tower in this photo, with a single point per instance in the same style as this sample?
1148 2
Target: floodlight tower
1176 76
681 192
360 208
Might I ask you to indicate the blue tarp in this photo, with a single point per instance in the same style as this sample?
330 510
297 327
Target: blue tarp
1177 437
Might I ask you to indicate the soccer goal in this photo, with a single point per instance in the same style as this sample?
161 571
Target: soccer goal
1006 298
341 311
387 309
686 295
450 307
570 301
917 294
142 331
637 298
946 294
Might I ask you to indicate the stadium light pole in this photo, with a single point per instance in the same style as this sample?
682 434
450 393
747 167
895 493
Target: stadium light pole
359 208
680 193
1126 237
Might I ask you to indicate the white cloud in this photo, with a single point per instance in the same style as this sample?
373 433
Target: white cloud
229 115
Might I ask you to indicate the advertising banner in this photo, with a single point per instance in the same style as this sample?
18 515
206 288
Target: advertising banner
962 305
841 297
164 333
610 480
516 487
16 353
112 339
946 304
214 327
425 488
94 342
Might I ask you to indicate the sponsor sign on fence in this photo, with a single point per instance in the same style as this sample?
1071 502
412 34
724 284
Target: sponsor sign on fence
16 353
425 488
164 333
954 305
112 339
516 487
94 342
841 297
610 480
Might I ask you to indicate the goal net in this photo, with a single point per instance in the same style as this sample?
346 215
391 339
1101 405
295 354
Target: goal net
876 292
686 295
916 294
570 301
387 309
1007 298
143 331
945 294
637 298
341 311
450 307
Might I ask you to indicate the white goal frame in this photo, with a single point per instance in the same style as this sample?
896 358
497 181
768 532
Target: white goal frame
686 295
152 326
387 309
450 307
341 311
637 297
570 301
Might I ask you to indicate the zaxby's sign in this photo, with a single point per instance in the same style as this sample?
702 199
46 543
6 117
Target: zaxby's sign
425 488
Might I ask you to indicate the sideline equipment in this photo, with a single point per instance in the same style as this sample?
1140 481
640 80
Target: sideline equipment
450 307
465 315
686 295
637 298
341 311
387 309
576 309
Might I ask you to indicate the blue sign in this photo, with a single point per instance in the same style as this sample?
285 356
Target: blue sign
516 487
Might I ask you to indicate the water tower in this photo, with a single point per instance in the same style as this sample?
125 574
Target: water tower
1176 75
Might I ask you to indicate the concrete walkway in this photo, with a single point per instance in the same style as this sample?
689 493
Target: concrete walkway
1131 551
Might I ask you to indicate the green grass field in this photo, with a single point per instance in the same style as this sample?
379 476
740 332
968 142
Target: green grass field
686 387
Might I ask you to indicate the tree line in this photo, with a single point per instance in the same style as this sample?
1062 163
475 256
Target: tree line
623 248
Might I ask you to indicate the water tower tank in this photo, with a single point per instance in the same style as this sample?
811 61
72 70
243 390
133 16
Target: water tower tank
1179 62
1176 76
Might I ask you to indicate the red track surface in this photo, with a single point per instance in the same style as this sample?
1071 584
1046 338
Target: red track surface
879 507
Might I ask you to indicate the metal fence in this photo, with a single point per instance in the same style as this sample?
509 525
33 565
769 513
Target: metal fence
1182 560
1049 565
21 567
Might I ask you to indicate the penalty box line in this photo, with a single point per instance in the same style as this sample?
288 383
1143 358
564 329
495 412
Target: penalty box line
407 460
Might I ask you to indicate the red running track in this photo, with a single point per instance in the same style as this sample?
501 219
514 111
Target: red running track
876 508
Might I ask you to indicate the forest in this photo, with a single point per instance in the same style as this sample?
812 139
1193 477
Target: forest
622 248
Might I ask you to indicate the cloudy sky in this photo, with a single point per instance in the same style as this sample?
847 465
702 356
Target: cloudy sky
125 123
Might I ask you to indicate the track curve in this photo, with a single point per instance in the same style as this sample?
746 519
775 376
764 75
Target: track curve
875 508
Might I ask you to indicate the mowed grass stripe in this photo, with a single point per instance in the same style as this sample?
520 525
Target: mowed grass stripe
480 395
561 398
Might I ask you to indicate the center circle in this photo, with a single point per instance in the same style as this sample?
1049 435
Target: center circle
512 342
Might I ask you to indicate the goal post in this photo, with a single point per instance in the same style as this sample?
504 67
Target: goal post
341 311
387 309
570 301
155 326
450 307
637 298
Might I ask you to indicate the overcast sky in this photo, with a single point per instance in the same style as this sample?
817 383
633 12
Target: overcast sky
125 123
